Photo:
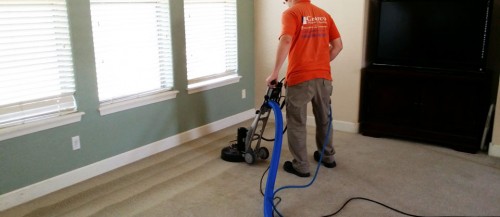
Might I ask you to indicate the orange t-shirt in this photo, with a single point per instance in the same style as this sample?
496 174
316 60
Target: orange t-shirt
311 29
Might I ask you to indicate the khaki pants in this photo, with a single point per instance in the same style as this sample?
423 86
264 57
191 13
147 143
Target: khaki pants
318 92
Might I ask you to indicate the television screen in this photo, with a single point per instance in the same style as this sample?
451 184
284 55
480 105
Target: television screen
444 34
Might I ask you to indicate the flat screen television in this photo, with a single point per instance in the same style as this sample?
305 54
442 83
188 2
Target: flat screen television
439 34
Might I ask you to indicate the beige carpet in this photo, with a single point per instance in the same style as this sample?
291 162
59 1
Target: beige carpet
191 180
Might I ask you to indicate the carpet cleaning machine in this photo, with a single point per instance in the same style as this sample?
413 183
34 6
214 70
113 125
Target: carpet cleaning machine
242 150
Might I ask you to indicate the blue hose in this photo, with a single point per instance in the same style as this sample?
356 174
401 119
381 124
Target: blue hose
273 168
275 159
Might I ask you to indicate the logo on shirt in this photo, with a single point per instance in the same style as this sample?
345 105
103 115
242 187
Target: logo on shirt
314 27
313 20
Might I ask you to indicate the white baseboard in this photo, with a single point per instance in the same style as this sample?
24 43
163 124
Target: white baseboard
53 184
494 150
343 126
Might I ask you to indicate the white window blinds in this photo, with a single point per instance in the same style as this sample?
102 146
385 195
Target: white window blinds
211 39
132 48
36 67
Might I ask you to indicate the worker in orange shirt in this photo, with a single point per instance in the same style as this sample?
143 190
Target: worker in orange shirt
310 39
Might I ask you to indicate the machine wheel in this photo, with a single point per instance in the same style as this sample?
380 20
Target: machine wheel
250 157
263 153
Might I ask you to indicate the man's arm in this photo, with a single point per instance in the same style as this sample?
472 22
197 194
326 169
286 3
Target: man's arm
335 48
285 42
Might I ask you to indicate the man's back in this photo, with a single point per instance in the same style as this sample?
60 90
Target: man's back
311 29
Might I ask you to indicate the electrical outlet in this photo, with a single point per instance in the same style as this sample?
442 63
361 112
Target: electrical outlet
244 93
75 141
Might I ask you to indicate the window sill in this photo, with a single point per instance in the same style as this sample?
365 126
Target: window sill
36 126
213 83
106 109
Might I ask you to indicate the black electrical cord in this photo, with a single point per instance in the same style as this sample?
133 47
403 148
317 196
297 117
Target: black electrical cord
272 140
373 201
384 205
348 201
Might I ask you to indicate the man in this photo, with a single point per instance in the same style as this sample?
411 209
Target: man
311 41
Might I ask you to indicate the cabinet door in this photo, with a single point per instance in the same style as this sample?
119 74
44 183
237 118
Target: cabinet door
448 108
454 106
390 98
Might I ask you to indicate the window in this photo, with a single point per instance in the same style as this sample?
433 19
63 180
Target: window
132 48
211 40
36 66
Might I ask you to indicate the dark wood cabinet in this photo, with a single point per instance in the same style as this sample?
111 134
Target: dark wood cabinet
442 107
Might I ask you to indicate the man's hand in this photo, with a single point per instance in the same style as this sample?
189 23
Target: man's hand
272 80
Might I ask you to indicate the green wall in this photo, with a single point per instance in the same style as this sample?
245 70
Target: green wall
38 156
